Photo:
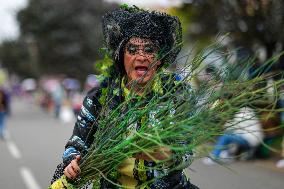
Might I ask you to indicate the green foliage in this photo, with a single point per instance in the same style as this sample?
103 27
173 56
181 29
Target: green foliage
103 65
124 6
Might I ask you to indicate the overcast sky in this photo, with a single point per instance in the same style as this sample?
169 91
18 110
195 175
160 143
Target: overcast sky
9 25
8 9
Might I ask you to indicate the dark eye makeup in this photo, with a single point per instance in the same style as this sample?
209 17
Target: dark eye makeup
148 49
132 49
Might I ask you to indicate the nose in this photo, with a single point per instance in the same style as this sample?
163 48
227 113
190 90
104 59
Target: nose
141 56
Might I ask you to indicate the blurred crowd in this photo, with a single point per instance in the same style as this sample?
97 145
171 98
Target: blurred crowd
63 96
59 96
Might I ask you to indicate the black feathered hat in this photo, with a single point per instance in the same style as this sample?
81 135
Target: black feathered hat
162 29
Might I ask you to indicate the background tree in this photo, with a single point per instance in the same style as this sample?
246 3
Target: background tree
250 23
15 58
63 36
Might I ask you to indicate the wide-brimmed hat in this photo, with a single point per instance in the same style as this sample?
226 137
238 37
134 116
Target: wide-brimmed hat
162 29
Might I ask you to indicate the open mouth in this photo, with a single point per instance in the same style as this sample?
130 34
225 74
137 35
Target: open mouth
141 70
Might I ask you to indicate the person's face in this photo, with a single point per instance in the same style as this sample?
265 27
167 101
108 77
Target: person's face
140 60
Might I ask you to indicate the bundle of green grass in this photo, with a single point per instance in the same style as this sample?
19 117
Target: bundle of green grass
182 113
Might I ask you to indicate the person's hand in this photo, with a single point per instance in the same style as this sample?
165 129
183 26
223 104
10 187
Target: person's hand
161 153
73 170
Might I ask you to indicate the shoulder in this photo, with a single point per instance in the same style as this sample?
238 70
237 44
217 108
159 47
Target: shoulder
96 91
100 93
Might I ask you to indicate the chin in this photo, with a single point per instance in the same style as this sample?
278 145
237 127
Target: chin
141 81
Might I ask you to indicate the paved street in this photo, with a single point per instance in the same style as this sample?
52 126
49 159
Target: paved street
30 154
36 141
239 175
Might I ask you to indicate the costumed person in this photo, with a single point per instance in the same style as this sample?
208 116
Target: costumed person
3 111
244 131
140 43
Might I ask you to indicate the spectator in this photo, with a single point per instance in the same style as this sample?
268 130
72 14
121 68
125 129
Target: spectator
58 96
3 111
244 132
